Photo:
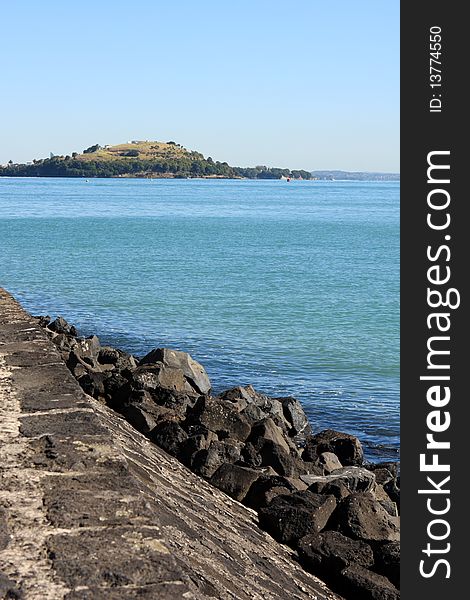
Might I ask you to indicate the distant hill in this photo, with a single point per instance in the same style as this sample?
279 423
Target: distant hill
354 176
142 159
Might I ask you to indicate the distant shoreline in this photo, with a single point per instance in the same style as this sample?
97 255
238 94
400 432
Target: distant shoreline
208 178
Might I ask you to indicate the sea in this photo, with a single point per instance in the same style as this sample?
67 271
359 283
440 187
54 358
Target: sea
292 287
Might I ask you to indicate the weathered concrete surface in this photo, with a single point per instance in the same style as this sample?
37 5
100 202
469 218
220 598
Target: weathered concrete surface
90 509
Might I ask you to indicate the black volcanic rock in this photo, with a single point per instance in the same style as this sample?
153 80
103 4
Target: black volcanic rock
391 466
325 554
206 462
220 417
360 516
382 475
234 480
267 487
291 517
356 582
385 501
60 325
266 430
393 491
387 561
259 406
250 456
295 416
330 462
42 320
156 376
139 418
174 360
346 447
356 479
65 343
169 435
281 461
120 360
193 444
93 384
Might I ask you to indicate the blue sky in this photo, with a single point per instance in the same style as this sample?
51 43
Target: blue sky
302 84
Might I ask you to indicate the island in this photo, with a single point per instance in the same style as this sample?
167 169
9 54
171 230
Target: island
146 159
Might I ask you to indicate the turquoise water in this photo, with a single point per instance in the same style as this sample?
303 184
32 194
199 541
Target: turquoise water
293 287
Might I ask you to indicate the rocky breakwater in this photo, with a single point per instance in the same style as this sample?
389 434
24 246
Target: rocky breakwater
313 492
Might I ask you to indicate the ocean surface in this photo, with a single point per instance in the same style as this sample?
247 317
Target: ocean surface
293 287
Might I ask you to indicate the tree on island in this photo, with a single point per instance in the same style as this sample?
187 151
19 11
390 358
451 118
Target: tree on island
92 149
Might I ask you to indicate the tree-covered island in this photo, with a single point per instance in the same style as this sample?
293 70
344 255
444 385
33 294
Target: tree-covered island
142 159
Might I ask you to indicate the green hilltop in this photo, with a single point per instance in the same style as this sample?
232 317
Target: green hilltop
142 159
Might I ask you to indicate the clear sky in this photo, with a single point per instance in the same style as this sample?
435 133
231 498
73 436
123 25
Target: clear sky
301 84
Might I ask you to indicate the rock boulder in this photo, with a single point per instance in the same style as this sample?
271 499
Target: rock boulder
234 480
325 554
206 462
387 561
358 582
291 517
356 479
360 516
170 436
295 417
174 360
60 325
220 417
346 447
267 487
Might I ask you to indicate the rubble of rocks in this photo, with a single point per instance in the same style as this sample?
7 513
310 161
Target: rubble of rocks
313 492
